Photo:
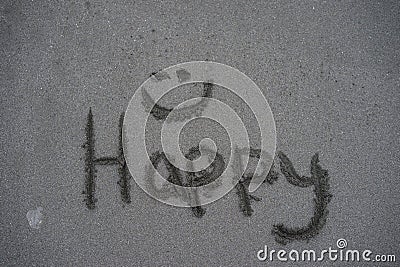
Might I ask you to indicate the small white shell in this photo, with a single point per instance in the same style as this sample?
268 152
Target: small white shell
35 217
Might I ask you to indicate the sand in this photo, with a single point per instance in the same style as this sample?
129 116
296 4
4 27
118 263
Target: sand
330 72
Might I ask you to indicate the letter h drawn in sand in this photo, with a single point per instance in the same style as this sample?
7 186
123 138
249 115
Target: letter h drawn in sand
91 161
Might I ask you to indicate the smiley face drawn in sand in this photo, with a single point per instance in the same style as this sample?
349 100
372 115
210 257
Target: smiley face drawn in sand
35 217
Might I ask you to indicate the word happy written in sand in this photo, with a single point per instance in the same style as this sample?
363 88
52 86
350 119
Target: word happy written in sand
281 164
319 180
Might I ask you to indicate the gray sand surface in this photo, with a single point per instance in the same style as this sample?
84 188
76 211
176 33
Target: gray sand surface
329 69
